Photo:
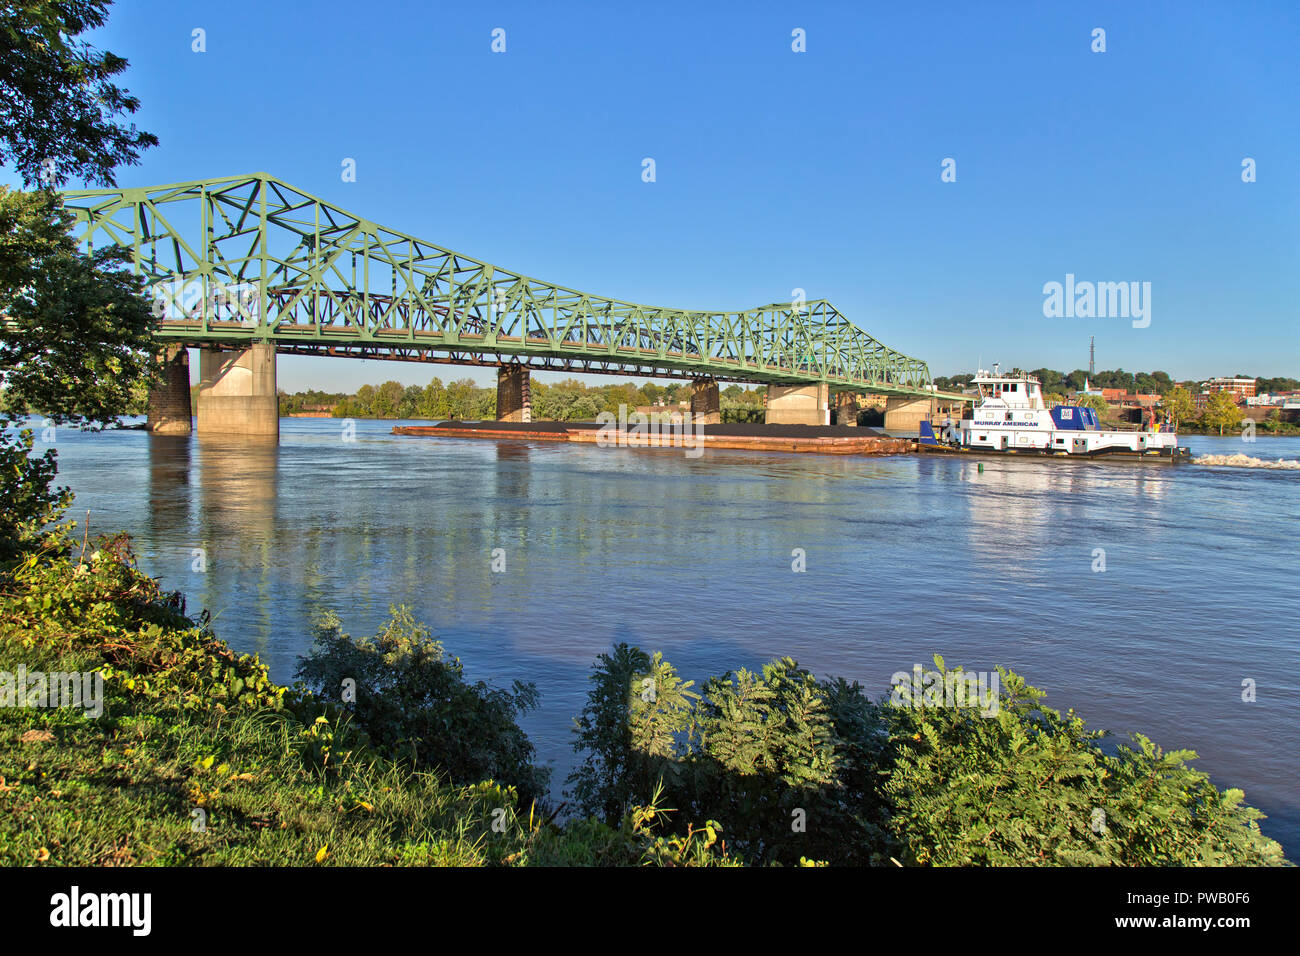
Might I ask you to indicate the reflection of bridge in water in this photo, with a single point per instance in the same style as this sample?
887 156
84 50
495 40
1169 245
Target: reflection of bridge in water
245 267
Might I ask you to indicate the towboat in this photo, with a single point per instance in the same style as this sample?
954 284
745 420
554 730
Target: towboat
1011 418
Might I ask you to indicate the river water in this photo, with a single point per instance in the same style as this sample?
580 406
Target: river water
905 557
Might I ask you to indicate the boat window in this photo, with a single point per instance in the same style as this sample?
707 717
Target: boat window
1009 416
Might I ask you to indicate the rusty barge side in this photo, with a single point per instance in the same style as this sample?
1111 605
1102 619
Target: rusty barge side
825 440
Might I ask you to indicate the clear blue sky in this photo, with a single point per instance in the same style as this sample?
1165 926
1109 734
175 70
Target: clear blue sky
775 169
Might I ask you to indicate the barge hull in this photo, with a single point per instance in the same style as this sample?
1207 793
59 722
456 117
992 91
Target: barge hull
825 440
1154 456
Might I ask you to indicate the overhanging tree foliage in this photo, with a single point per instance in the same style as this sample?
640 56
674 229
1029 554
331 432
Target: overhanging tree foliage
59 104
74 327
75 343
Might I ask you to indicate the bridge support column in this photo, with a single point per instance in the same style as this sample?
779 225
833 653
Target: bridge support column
846 409
798 405
706 404
169 401
904 414
514 401
237 391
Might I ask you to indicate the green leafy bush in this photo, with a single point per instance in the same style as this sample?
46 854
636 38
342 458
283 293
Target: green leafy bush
98 601
765 762
414 703
774 757
794 769
631 732
1031 786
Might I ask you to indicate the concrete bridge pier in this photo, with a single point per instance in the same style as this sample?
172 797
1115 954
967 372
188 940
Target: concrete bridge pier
706 402
514 401
846 408
169 401
237 391
905 414
798 404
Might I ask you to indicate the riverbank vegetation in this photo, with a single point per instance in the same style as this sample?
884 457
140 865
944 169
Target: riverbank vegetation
198 758
793 767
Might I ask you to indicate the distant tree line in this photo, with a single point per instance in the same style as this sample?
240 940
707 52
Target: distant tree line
569 400
1268 386
1148 383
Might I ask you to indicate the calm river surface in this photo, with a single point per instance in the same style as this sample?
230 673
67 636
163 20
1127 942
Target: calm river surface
906 557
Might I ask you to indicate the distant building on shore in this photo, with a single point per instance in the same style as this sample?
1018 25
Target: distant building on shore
1242 390
1244 387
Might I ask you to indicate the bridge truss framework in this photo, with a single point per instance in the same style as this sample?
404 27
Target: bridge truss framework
247 259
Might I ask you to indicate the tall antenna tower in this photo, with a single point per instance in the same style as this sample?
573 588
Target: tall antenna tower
1092 356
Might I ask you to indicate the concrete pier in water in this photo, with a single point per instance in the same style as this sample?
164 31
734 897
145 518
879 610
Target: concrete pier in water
706 402
798 404
514 398
237 391
169 402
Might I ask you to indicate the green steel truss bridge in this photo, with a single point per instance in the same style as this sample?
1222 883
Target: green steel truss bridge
246 259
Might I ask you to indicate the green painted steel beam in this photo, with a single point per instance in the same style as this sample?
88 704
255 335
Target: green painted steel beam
251 258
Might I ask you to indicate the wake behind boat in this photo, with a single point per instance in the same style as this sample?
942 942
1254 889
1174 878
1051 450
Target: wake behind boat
1011 418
